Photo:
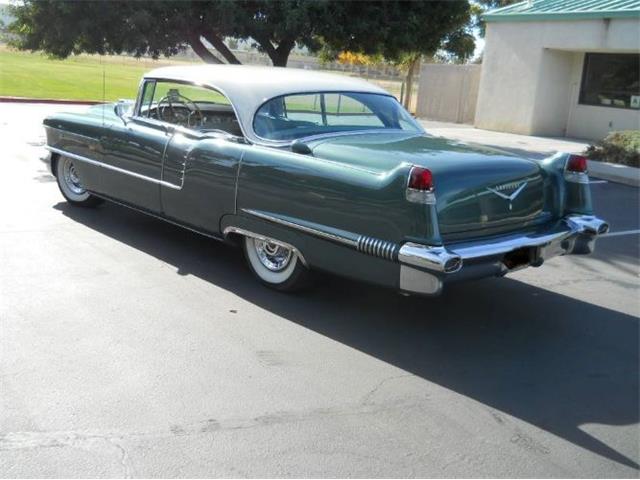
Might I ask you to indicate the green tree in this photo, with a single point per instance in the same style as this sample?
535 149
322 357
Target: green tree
392 29
402 32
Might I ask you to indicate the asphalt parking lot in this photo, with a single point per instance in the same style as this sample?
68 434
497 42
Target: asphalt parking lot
130 347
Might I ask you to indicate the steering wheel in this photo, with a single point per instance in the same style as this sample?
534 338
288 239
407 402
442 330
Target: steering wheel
169 114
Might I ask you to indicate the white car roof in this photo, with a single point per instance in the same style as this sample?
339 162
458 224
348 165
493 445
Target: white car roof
248 87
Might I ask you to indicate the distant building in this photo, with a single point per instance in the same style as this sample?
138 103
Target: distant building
561 68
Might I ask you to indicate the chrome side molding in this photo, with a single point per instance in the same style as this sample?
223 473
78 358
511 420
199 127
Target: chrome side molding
303 228
362 243
97 163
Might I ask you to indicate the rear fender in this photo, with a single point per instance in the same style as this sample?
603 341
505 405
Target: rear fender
567 194
339 196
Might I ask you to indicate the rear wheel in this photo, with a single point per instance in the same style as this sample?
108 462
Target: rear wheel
276 265
71 186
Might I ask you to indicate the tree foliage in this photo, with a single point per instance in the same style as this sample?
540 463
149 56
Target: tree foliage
391 29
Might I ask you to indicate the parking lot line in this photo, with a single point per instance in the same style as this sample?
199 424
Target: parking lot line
621 233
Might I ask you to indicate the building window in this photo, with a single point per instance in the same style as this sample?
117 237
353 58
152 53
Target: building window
611 80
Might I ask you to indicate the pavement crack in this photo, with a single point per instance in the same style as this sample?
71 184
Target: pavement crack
124 458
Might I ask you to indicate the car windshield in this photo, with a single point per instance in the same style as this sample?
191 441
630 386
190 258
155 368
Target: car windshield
301 115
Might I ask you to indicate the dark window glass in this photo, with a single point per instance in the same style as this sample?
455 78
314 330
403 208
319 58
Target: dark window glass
611 80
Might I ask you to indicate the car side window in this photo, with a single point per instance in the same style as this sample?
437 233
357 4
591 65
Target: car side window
190 106
147 97
329 109
345 110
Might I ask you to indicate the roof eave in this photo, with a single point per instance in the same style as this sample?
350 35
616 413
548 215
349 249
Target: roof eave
546 16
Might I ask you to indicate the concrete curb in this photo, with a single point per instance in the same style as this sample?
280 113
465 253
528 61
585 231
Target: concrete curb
47 100
615 173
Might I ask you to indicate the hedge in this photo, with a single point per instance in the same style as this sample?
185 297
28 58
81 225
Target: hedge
617 147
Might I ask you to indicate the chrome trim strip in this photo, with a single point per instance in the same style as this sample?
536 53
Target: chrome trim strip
247 233
111 167
303 228
362 243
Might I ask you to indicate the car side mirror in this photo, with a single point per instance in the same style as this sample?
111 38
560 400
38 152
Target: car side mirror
123 109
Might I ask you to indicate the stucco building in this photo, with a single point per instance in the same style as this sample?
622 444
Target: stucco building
561 68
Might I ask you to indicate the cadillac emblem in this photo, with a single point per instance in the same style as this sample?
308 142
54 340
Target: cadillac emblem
508 191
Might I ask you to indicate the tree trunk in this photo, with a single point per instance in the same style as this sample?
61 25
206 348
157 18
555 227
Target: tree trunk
220 46
413 66
202 51
279 59
279 56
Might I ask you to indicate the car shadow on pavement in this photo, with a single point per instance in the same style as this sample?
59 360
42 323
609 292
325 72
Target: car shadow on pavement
550 360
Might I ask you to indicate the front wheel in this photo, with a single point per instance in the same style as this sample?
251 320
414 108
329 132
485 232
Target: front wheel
276 265
70 185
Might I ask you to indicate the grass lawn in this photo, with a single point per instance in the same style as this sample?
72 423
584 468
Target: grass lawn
34 75
80 77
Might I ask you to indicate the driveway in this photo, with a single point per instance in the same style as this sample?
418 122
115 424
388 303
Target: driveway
130 347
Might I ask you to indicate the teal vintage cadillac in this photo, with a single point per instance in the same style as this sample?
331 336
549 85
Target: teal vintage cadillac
314 171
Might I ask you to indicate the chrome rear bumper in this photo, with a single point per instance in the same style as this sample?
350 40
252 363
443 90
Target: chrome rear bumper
424 269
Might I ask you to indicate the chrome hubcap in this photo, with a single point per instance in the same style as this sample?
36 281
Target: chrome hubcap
71 178
273 256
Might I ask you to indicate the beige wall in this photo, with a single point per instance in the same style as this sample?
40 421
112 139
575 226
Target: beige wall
448 92
531 77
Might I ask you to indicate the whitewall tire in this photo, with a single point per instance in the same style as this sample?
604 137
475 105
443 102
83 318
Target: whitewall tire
71 186
274 264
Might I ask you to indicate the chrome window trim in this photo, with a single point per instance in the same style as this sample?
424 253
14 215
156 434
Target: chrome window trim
199 85
113 168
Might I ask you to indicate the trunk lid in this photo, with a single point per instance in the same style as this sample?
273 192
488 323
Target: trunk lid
479 190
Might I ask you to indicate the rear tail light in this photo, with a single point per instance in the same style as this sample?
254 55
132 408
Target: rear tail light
577 164
420 187
420 179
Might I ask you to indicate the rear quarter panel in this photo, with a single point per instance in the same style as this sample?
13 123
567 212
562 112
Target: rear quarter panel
331 194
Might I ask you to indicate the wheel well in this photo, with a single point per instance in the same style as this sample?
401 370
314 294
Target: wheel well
234 239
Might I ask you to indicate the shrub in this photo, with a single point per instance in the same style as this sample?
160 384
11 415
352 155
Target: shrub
617 147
